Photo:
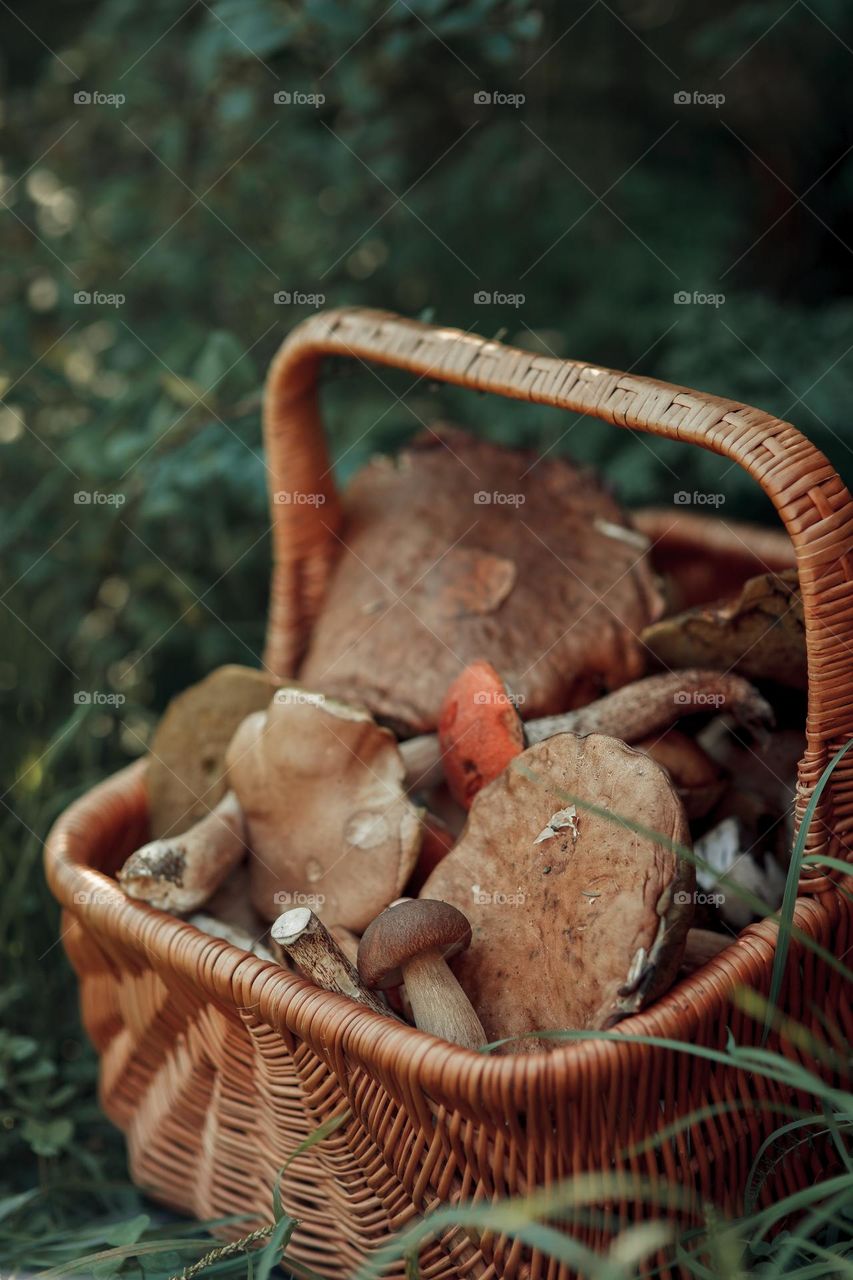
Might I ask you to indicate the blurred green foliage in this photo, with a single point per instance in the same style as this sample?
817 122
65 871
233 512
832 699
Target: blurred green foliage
199 197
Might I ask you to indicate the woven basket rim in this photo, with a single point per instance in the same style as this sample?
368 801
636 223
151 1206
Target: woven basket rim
286 1001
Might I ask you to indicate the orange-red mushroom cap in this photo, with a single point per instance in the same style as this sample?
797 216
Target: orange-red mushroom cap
479 731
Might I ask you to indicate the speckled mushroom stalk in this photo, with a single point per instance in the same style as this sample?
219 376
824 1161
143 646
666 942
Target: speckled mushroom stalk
480 730
180 873
302 936
410 942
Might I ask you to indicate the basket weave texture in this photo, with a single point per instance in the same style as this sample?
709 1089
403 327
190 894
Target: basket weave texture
217 1065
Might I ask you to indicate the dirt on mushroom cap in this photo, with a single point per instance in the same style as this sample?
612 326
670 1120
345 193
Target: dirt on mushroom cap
578 928
329 824
467 541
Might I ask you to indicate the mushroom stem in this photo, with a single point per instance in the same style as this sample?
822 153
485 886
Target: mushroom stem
422 760
439 1005
653 704
304 937
631 713
180 873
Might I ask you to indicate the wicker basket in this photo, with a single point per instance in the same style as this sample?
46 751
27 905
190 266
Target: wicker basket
217 1065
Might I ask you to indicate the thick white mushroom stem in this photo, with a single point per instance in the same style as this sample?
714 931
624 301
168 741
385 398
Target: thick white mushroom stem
636 711
180 873
439 1005
300 934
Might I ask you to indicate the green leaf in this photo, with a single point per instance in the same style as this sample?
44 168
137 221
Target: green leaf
127 1232
48 1137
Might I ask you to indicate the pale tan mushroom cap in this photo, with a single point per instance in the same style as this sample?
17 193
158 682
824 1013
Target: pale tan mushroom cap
568 906
186 764
330 826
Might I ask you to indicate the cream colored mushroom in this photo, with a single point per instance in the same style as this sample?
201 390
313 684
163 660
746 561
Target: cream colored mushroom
330 826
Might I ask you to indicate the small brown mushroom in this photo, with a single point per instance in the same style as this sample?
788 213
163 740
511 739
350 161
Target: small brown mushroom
411 942
321 787
578 907
180 873
301 935
186 764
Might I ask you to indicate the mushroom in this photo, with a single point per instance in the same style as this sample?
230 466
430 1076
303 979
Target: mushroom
185 778
328 821
437 842
699 781
411 942
480 730
179 874
701 946
759 633
702 557
302 936
230 933
346 940
462 548
317 796
570 871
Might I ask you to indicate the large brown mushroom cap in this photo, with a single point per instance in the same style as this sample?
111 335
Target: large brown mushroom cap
186 766
464 549
577 920
328 821
405 930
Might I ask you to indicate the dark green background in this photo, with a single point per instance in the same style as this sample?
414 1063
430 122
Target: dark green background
199 198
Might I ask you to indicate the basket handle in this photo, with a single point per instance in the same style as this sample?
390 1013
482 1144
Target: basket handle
810 498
